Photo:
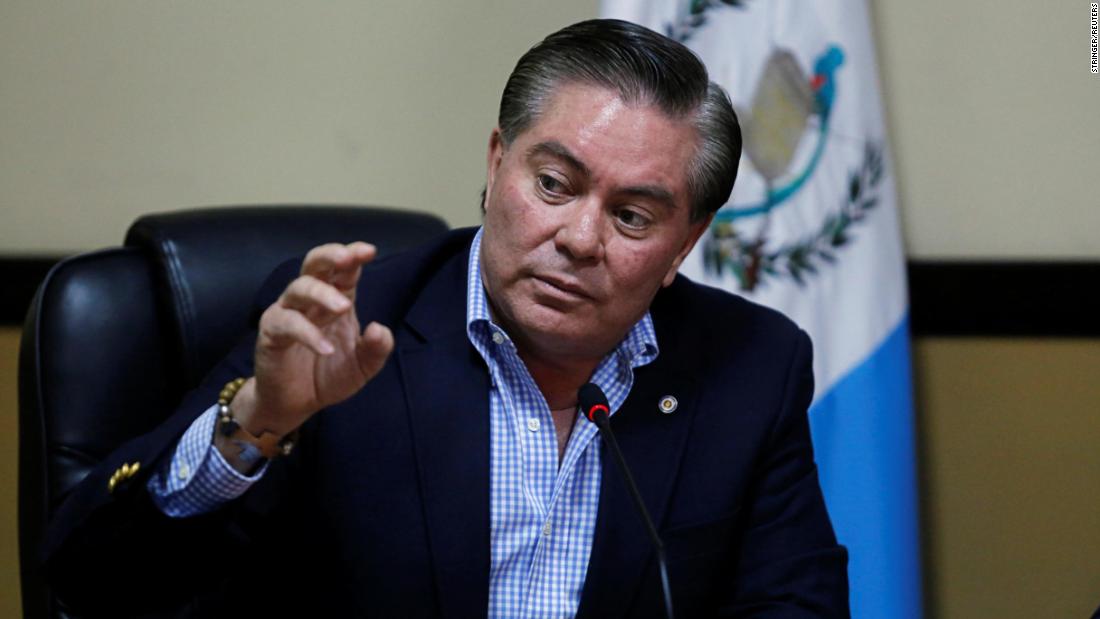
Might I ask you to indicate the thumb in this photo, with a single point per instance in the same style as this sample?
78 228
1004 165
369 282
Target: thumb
373 348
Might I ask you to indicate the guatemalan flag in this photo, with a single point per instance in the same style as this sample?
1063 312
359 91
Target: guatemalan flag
812 230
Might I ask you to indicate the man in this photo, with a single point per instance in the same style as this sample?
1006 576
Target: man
439 466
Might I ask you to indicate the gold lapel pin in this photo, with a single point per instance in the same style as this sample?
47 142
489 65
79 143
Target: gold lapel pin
667 404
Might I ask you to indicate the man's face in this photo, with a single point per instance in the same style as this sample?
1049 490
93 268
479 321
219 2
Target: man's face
586 216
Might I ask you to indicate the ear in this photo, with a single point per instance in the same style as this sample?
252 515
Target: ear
493 159
695 231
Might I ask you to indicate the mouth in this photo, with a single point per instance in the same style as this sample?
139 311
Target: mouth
562 288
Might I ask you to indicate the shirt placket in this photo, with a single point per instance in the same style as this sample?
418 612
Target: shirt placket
533 428
518 517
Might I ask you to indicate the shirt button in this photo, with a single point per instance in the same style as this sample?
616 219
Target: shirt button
546 528
498 337
533 424
184 472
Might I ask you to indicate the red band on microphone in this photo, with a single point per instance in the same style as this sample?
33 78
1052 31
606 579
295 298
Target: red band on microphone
596 407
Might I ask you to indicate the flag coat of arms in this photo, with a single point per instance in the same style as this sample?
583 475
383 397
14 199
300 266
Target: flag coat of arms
812 230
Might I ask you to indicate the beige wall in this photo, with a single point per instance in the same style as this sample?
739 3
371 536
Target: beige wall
9 544
993 115
1009 434
112 109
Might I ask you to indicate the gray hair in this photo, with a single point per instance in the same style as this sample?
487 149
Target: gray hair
645 68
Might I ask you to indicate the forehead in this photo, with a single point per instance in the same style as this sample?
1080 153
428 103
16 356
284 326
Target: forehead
619 142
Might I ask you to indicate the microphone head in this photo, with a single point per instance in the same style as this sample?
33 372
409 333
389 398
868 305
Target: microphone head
593 403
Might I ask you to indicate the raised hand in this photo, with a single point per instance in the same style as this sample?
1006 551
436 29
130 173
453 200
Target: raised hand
310 352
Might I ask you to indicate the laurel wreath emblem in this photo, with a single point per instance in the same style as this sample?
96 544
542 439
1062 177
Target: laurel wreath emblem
750 263
696 17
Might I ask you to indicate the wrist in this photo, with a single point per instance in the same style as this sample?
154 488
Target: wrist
264 442
240 455
254 417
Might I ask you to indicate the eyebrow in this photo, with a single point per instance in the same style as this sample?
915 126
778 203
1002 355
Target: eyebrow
553 148
655 193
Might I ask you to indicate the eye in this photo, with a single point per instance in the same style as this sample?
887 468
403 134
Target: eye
549 184
632 220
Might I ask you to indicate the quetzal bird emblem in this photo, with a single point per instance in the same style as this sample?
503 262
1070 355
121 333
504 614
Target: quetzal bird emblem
786 106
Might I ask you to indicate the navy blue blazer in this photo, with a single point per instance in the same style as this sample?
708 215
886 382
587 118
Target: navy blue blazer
383 509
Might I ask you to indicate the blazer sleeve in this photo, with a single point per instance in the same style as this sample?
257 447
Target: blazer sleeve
790 564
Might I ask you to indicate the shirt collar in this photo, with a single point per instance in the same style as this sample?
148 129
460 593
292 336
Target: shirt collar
638 348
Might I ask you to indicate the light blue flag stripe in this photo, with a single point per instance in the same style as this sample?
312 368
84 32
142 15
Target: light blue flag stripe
864 443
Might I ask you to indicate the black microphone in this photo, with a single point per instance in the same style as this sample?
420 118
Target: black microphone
593 403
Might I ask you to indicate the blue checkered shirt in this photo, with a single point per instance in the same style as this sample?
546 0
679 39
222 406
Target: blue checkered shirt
542 515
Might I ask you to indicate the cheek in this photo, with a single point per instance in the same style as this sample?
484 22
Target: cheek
639 265
509 235
512 206
639 271
518 214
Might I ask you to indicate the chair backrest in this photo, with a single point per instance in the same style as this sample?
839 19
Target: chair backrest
115 337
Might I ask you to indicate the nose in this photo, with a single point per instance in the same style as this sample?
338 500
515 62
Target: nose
580 233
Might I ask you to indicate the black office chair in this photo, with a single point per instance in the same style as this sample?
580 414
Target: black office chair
115 337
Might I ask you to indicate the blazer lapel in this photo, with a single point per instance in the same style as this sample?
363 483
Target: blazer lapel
653 443
447 390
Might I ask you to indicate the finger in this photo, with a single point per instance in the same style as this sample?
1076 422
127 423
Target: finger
281 327
345 274
374 348
335 260
321 260
318 301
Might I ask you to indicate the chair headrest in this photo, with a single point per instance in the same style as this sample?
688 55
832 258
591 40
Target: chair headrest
212 261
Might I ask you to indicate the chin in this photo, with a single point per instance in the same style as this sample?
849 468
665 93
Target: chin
547 321
553 330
